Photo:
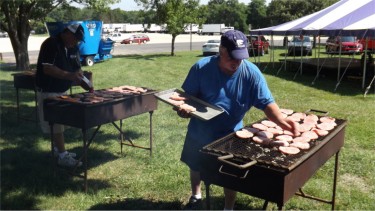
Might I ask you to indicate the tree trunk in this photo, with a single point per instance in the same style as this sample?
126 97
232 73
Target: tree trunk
20 49
17 24
173 39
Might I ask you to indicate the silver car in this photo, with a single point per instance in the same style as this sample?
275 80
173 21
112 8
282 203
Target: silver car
211 47
298 44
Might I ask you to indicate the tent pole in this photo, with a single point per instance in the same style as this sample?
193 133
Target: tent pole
364 65
284 63
272 58
317 66
339 66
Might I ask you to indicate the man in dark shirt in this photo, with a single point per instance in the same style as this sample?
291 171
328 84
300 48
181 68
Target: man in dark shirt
58 67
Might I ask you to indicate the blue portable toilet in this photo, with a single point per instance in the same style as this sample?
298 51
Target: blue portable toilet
94 48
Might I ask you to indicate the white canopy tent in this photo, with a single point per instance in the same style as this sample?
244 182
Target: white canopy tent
344 18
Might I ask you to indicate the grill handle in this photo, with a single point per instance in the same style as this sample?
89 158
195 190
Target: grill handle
225 158
233 175
318 111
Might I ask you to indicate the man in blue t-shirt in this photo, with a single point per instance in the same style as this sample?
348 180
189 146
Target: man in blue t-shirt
58 67
234 84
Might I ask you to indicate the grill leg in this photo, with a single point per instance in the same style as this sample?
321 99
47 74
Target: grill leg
52 149
335 180
207 195
85 146
151 112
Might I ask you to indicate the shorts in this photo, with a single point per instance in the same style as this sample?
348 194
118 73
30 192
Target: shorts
57 128
190 153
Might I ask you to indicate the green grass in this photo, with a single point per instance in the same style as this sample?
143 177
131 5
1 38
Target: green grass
134 180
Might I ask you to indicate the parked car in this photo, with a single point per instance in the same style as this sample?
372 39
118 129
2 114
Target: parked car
349 44
116 37
211 47
137 38
258 45
300 45
370 44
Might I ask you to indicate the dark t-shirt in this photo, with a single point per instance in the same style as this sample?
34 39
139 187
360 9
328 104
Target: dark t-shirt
53 52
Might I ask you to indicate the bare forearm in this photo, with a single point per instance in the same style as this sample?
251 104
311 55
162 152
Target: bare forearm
56 72
273 113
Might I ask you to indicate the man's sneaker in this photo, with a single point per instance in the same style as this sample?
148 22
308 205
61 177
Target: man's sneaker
71 154
193 204
68 161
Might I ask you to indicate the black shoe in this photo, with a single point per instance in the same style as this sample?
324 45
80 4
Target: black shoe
194 204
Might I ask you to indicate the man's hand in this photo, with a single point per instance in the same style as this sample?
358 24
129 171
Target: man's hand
181 112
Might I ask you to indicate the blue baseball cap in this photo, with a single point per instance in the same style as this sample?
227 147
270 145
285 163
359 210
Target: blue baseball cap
236 44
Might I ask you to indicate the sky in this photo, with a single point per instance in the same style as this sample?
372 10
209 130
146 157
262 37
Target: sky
129 5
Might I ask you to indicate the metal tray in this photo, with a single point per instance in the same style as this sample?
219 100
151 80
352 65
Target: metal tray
204 111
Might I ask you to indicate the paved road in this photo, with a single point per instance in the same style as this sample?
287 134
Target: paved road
160 43
121 49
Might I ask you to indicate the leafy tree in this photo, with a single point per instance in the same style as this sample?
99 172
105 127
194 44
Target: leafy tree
257 14
229 12
175 14
17 17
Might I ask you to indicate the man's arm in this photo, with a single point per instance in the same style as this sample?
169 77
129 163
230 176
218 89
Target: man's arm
52 70
273 113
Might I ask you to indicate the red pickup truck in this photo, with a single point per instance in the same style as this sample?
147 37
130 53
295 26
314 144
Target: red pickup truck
258 45
370 44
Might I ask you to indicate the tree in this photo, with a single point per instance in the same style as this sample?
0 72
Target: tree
176 14
257 14
229 12
17 16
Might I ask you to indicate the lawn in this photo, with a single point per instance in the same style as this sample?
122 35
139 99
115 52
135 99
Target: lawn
134 180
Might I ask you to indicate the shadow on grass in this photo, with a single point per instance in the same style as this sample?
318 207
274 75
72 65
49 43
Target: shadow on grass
27 166
216 203
137 204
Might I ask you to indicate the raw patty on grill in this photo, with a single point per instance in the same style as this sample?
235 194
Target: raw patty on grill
300 145
259 126
269 123
289 150
310 134
320 132
244 134
262 140
305 127
284 138
286 111
275 131
327 119
326 125
301 139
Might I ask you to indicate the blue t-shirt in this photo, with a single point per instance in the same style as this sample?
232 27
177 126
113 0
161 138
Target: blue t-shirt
235 94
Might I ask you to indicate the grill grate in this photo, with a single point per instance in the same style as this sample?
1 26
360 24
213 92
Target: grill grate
246 149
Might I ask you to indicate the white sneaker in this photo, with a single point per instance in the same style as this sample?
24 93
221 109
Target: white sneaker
68 161
56 154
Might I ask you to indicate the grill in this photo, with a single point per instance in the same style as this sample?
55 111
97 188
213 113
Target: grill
266 173
88 110
26 80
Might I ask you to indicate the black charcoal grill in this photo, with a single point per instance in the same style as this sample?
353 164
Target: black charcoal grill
266 173
85 114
